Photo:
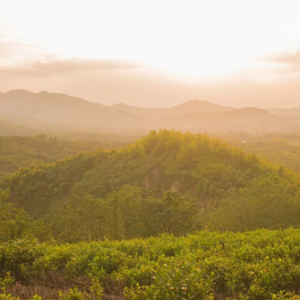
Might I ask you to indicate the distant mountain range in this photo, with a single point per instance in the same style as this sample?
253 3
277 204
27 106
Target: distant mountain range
22 111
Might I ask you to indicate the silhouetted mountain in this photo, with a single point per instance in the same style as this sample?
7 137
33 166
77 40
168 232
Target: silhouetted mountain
246 119
50 112
193 106
45 104
252 111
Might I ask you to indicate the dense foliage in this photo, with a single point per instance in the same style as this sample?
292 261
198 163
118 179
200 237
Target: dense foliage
186 163
13 221
165 182
127 213
253 265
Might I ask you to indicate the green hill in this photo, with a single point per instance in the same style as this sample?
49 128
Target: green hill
221 187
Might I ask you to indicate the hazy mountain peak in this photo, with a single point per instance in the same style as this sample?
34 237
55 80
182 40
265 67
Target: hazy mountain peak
18 92
200 106
64 111
120 105
195 102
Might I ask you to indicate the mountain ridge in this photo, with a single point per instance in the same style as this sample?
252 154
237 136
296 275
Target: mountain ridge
55 110
23 92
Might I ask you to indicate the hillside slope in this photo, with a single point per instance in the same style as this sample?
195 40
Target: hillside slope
205 168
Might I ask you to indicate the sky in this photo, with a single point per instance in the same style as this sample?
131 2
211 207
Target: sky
154 53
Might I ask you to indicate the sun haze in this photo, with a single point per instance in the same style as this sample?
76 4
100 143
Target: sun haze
154 53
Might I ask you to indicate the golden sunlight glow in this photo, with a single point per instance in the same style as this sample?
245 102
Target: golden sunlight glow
188 38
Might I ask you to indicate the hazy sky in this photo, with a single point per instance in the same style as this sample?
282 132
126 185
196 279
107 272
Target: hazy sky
154 53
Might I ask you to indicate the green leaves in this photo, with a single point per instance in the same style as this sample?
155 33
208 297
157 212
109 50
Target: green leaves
129 212
262 264
13 221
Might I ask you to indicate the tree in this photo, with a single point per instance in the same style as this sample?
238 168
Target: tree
14 221
178 214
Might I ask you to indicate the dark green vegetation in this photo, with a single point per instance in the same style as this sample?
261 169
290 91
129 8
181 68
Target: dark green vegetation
165 182
256 265
21 151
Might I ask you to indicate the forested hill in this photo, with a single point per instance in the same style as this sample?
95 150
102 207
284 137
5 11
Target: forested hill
219 176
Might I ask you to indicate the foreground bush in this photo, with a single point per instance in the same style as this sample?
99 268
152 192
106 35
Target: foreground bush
262 264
